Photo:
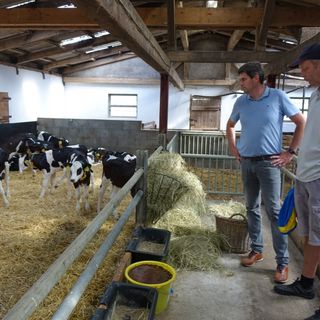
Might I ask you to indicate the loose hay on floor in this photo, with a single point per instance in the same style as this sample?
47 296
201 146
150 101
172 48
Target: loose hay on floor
34 232
197 250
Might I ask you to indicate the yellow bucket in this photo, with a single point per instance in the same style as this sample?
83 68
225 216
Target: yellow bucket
164 289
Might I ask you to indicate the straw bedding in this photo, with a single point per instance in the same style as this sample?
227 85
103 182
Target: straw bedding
34 232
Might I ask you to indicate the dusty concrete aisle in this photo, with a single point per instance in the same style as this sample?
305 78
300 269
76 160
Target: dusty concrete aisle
246 295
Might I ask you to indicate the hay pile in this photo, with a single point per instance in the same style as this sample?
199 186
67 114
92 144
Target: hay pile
182 206
34 232
193 246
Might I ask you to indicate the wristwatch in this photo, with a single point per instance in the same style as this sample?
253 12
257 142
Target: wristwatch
292 151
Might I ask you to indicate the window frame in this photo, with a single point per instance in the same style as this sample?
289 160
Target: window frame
110 106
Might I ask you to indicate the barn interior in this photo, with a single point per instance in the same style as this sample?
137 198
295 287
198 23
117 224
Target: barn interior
63 62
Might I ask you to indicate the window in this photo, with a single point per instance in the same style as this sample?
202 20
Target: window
123 105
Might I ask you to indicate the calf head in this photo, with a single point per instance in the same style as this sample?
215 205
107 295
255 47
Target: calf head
80 171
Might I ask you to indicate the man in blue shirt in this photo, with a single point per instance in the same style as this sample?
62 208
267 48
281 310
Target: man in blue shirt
259 150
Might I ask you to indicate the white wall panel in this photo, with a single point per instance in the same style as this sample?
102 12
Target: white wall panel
31 95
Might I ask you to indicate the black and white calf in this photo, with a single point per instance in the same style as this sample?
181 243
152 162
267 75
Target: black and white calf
118 168
52 161
80 176
54 141
4 175
18 162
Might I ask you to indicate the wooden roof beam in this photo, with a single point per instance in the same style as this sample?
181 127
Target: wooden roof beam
228 17
223 56
185 18
121 19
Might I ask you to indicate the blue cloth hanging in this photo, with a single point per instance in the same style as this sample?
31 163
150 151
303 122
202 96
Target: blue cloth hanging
287 221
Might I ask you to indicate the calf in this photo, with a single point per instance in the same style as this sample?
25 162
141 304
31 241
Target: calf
17 146
4 175
14 143
83 150
54 141
118 168
80 176
53 161
18 162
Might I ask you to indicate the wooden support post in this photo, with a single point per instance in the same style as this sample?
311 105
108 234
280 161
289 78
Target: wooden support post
164 94
142 162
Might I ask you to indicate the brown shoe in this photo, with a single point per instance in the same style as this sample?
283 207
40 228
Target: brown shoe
251 259
281 275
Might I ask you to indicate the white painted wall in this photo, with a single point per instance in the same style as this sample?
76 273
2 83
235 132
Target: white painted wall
31 95
91 102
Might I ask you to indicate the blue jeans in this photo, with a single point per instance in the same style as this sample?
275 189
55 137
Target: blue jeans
262 178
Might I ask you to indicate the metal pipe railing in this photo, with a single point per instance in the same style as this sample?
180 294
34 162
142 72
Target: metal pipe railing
72 299
40 289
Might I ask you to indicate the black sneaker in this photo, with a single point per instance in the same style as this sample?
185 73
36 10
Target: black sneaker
316 316
294 289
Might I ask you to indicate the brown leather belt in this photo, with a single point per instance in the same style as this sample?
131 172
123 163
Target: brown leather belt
260 158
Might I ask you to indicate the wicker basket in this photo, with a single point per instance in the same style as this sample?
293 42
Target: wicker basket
236 232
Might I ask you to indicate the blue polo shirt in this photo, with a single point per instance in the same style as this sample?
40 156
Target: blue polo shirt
261 122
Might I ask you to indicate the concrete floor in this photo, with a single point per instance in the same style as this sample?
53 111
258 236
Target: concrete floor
246 295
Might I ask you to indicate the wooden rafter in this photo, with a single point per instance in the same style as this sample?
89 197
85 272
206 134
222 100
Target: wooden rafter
98 63
172 39
267 17
280 65
120 18
67 48
28 37
84 57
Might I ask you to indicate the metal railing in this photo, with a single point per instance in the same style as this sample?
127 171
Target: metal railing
208 156
31 300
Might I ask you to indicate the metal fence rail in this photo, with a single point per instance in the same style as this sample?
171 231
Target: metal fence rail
203 143
207 154
220 174
72 299
31 300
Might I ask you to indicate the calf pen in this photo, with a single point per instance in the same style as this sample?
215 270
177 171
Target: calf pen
206 154
31 300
